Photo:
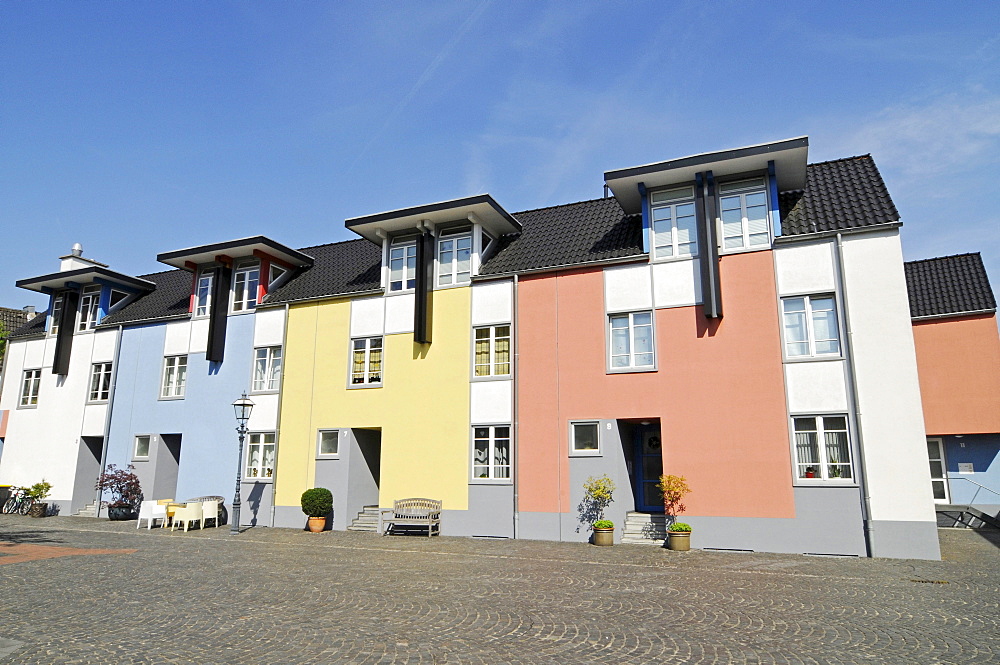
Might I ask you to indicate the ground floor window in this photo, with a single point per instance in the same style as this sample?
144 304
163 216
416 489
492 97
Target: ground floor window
822 448
260 455
491 452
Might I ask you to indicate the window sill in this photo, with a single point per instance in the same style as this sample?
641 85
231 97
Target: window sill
140 459
445 287
491 481
161 398
363 386
630 370
403 292
744 250
324 457
801 482
243 312
96 402
578 453
673 259
491 377
256 479
264 392
813 359
27 406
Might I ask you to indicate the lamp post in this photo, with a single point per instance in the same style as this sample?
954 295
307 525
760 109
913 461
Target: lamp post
243 407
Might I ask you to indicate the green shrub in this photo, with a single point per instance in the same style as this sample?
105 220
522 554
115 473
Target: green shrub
680 526
39 491
317 502
604 524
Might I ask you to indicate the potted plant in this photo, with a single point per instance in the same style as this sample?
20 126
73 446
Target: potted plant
37 493
597 496
674 489
317 503
126 493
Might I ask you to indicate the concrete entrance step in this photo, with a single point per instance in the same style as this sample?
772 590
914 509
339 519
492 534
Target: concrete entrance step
367 520
90 510
644 529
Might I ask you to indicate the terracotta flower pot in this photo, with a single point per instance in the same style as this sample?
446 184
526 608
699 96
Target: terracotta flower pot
317 524
604 537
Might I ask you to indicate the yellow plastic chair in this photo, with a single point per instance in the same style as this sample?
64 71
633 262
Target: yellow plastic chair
186 515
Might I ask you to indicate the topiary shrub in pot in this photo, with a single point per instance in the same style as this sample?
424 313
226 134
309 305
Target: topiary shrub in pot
126 493
37 493
317 503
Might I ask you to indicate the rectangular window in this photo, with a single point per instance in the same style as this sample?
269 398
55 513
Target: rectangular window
328 443
57 305
203 293
89 308
29 387
674 230
260 455
585 438
266 368
403 266
743 208
246 280
100 382
810 324
492 353
141 447
631 340
491 452
174 376
455 259
366 361
822 449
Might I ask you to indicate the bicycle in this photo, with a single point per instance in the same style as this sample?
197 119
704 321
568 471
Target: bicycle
19 502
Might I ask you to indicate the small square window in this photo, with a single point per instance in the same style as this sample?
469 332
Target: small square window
585 438
141 447
328 443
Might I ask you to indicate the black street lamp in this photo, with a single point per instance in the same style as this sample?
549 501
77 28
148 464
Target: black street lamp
243 407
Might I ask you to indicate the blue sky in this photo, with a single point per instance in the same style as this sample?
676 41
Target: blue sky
137 128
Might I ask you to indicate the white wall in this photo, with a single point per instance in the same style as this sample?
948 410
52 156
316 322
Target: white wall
492 302
656 285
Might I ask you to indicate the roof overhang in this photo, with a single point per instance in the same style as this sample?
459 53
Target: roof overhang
481 209
71 279
790 158
234 249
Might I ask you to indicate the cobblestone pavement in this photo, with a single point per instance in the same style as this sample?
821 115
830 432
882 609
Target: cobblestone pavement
272 596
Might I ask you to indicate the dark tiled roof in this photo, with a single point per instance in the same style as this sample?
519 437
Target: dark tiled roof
353 266
170 298
565 235
948 285
840 195
35 326
12 319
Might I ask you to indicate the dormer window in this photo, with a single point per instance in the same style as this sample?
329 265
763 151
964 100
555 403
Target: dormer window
203 293
245 283
743 208
455 258
57 305
674 230
89 308
403 266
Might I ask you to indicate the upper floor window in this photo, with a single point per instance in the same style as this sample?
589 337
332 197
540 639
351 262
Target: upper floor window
743 208
266 368
491 452
57 306
366 361
810 326
674 229
203 293
89 308
492 353
260 455
29 387
631 340
174 376
403 266
246 281
455 259
822 449
100 382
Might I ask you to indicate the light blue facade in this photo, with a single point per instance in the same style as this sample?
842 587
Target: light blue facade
193 449
982 451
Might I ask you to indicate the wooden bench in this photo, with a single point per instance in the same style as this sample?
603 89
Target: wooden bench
411 512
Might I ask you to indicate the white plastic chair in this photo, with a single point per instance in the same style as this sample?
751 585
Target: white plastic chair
151 511
186 515
209 511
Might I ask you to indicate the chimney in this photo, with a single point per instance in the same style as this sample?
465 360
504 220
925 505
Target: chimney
29 311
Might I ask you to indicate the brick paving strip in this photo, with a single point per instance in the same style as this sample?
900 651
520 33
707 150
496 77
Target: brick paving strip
18 553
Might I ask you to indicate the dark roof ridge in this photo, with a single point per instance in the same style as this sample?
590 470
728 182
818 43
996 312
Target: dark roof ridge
565 205
332 244
939 258
867 155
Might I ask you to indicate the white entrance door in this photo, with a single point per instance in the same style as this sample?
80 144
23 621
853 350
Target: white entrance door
939 481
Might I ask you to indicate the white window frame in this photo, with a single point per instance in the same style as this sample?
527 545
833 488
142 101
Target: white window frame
821 468
632 353
366 371
90 308
319 443
449 242
492 367
203 293
685 197
574 451
750 186
267 366
494 472
177 387
31 381
57 305
405 248
100 383
810 328
135 446
247 273
260 471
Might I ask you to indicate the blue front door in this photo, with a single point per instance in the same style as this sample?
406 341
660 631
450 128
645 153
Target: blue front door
648 468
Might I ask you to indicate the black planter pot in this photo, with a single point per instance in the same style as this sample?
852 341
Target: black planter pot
117 513
38 510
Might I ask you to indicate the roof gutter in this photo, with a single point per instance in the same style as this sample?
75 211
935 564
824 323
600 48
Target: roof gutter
107 416
566 266
800 237
953 315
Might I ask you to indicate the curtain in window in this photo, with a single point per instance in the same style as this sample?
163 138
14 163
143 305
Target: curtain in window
482 351
502 350
837 450
806 448
501 453
375 361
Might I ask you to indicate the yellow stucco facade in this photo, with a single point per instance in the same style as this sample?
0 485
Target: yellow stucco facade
422 408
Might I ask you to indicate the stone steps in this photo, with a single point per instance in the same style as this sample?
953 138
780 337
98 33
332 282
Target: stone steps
644 529
90 510
367 520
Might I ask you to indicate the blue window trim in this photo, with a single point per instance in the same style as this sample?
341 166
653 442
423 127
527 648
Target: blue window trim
772 184
645 217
